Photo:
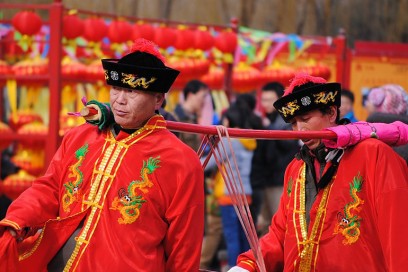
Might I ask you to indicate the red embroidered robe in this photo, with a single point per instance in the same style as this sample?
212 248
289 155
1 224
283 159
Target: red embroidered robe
140 198
357 223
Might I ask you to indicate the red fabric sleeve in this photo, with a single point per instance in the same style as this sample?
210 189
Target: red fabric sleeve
8 252
185 217
390 175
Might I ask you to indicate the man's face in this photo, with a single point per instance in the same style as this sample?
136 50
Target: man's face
346 106
198 99
267 100
314 121
132 108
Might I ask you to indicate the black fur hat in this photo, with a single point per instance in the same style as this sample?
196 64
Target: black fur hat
143 69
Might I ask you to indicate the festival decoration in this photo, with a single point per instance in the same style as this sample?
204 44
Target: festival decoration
164 36
22 117
185 38
246 78
214 78
94 71
27 22
226 42
72 69
119 31
315 69
189 69
72 26
95 29
30 151
13 185
143 30
278 73
203 39
5 130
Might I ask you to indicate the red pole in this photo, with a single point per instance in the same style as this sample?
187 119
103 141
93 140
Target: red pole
341 50
56 12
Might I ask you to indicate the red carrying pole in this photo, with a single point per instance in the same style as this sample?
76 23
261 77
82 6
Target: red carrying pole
251 133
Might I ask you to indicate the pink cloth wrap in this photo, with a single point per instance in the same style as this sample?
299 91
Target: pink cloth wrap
395 134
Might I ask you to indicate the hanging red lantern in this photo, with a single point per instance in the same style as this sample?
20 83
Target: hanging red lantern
71 69
164 36
94 71
203 40
145 31
5 130
13 185
72 26
119 31
226 41
318 70
189 69
281 74
22 117
245 78
214 78
27 22
185 39
95 29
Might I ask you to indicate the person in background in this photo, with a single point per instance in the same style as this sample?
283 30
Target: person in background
339 206
270 160
387 104
238 115
347 105
189 109
126 198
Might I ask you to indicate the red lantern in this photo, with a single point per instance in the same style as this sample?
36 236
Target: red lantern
226 42
27 22
95 29
144 31
164 36
185 39
272 73
119 31
13 185
4 130
94 71
246 78
22 117
189 69
72 26
214 78
71 69
203 40
318 70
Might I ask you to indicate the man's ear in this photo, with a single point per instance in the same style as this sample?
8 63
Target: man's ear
159 100
333 114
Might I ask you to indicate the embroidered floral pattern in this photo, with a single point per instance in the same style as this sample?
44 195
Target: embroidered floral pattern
130 201
72 188
349 221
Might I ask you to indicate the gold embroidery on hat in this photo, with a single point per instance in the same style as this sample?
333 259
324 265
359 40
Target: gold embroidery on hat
133 81
106 74
290 108
324 97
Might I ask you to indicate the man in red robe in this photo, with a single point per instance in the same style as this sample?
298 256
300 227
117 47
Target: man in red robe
341 209
126 198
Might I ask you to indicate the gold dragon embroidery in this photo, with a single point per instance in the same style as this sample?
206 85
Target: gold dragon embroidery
290 108
349 223
324 98
134 82
129 202
72 188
